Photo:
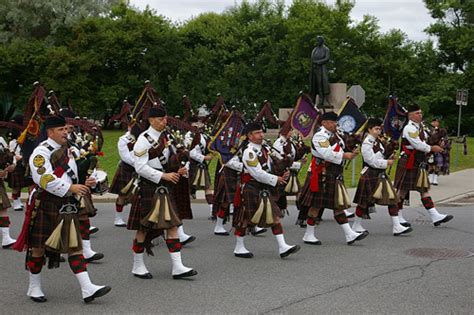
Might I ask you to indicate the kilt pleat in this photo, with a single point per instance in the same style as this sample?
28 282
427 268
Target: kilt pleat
405 180
18 178
367 186
46 219
142 205
122 177
250 201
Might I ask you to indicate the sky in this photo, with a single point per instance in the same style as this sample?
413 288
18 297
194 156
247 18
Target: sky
410 16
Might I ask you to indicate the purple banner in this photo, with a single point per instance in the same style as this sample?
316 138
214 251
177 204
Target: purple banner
304 117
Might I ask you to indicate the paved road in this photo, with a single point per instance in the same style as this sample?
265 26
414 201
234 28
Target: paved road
375 276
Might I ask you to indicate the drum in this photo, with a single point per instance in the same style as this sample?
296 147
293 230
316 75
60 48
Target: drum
102 183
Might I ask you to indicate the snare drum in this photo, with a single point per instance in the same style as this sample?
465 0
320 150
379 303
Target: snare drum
102 183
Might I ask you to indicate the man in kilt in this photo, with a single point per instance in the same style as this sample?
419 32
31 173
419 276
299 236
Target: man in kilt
437 136
326 187
20 177
412 167
286 155
225 186
258 193
153 210
124 181
52 218
80 150
375 186
6 165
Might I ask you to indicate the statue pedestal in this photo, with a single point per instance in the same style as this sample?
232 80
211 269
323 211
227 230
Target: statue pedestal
337 95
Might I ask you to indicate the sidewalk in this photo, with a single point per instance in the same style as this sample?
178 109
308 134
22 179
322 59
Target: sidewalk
456 185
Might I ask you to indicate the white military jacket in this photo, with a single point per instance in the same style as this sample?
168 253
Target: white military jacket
411 133
42 170
126 155
375 160
253 168
149 169
322 149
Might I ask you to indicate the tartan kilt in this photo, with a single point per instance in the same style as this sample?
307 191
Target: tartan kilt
367 186
46 219
326 196
18 179
122 177
194 168
225 187
181 196
4 201
405 180
305 198
143 204
250 200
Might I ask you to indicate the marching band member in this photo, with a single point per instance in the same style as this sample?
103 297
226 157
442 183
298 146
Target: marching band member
153 212
412 168
257 203
374 185
326 188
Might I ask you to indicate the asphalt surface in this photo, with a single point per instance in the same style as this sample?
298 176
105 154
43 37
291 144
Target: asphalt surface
373 276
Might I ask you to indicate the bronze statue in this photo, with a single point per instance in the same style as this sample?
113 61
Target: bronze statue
319 82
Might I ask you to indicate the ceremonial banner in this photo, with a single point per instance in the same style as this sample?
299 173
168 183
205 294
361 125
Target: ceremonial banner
304 116
351 119
227 138
395 119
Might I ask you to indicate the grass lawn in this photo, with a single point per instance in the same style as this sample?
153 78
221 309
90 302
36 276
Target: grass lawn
111 158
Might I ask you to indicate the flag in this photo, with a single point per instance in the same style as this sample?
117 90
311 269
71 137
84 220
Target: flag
226 139
351 119
395 119
304 116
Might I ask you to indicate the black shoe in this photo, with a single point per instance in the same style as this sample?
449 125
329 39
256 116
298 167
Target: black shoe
221 233
313 243
254 233
97 256
20 209
93 230
144 276
62 259
98 293
8 246
359 238
190 273
446 219
245 255
190 239
405 224
404 232
290 251
350 216
303 225
39 299
121 225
